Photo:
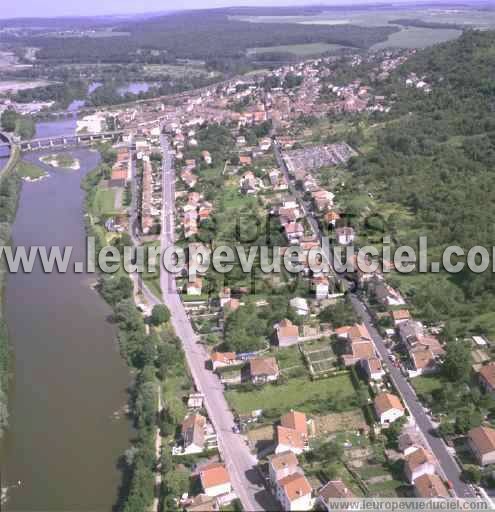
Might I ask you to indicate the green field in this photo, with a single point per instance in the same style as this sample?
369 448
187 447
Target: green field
105 202
299 393
29 170
302 50
427 384
158 70
407 37
415 37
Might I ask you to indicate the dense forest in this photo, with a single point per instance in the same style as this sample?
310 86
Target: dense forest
209 35
435 157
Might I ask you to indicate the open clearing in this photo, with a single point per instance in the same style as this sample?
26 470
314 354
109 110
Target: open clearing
299 393
302 50
407 37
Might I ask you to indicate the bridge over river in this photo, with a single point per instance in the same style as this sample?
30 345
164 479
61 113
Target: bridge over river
60 141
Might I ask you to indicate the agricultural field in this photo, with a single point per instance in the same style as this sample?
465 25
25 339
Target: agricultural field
407 36
159 70
302 50
320 357
418 37
340 422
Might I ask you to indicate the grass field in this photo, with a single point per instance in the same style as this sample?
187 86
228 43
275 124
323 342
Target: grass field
29 170
301 50
416 37
427 384
105 201
173 71
301 394
407 37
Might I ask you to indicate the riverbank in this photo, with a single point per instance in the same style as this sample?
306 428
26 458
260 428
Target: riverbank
9 194
155 356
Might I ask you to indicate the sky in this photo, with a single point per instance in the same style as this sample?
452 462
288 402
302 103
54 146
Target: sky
52 8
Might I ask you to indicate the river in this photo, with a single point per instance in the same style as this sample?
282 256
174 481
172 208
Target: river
69 389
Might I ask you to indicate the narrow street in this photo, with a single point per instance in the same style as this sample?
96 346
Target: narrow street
240 463
446 462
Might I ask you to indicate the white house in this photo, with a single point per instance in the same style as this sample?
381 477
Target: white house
373 368
215 480
282 465
481 440
345 235
294 493
193 433
418 463
388 408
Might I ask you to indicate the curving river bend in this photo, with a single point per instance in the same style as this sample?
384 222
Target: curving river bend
69 388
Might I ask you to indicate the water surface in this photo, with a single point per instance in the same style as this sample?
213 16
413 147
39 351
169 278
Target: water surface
69 390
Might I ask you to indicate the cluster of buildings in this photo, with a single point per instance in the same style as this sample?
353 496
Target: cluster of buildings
194 211
413 80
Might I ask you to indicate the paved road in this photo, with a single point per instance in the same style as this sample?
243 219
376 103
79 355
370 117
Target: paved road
240 463
448 466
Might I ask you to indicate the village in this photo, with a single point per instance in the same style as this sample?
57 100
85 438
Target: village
316 396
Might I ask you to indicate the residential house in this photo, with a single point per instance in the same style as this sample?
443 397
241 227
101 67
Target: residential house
249 183
300 306
294 231
409 441
345 235
224 296
423 361
481 440
222 359
430 486
296 421
193 433
215 480
333 490
294 493
289 439
373 368
319 285
282 465
387 295
410 331
322 199
388 408
331 218
195 287
265 144
207 157
287 333
399 316
359 345
418 463
202 503
245 160
486 377
263 370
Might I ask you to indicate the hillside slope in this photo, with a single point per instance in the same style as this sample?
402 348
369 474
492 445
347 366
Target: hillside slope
436 159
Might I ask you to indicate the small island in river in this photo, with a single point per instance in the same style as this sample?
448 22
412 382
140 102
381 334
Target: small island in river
61 161
30 172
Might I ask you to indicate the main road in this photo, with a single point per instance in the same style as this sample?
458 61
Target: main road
241 464
446 461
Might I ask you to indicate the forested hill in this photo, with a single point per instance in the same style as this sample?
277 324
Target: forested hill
435 157
203 34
